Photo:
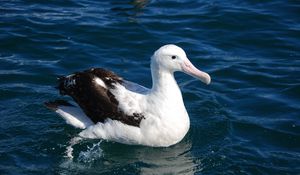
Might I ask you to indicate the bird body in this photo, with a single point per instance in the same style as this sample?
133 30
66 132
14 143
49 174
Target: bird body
111 108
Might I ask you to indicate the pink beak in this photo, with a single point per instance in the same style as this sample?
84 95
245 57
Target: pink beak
190 69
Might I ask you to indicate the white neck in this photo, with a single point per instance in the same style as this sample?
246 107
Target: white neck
166 103
164 84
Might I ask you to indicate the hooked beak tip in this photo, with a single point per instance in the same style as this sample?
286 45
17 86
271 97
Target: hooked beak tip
207 79
190 69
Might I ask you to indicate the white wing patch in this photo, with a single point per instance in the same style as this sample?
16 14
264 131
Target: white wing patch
129 102
100 82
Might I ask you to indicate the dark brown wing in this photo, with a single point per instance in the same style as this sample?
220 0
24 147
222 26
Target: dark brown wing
97 102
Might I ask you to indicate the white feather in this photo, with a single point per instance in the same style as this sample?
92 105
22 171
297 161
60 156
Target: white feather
100 82
129 101
74 116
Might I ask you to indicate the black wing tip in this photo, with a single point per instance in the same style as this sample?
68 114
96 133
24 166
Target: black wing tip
53 105
60 86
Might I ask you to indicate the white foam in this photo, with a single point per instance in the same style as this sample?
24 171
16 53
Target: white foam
69 149
91 154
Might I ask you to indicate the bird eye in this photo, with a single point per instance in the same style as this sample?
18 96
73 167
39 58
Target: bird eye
173 57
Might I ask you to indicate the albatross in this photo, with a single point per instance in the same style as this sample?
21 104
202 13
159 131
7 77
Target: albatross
111 108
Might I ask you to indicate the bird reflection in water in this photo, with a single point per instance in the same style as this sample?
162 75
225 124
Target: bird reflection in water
177 159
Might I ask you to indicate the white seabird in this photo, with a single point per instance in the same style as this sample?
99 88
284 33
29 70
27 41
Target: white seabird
111 108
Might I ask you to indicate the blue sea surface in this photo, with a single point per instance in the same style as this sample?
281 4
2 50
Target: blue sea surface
247 121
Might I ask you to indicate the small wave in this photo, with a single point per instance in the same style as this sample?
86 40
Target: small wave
15 59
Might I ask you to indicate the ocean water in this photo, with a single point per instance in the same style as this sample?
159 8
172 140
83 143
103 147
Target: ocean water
246 122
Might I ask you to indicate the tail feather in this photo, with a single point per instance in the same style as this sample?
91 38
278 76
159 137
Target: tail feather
73 115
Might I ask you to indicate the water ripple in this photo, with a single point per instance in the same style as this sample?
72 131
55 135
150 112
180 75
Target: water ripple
245 122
